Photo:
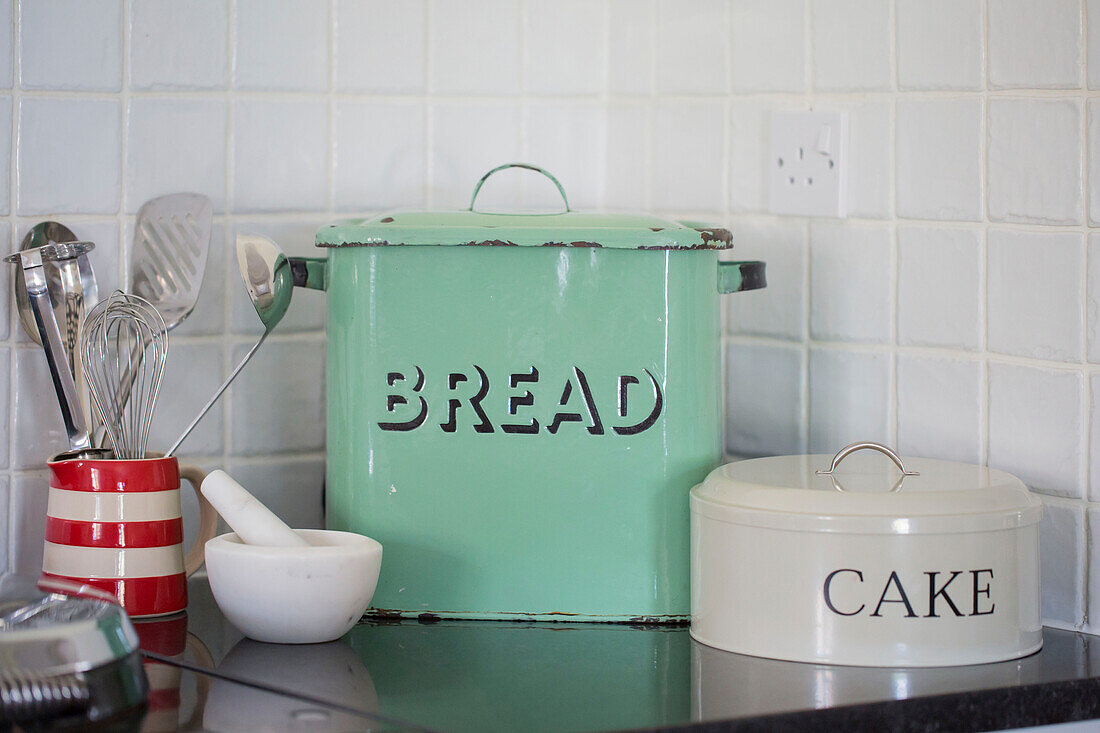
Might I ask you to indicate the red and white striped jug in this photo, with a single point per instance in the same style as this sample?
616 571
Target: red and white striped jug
117 525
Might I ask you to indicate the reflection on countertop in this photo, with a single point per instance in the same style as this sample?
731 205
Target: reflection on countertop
492 675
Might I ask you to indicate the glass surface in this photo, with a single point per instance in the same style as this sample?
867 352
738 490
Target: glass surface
505 676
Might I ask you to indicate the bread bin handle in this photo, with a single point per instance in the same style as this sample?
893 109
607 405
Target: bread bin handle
308 272
733 277
525 166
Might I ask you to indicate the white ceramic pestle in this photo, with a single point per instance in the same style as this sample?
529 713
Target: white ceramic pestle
253 522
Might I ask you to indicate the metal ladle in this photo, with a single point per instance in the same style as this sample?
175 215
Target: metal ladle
270 282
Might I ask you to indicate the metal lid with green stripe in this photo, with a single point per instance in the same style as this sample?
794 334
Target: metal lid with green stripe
472 228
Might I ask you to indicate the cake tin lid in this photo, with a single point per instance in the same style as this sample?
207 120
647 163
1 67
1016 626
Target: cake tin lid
865 494
472 228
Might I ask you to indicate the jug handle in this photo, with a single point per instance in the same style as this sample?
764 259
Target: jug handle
733 277
309 272
208 521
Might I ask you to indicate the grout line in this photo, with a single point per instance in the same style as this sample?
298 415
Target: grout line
13 316
1085 478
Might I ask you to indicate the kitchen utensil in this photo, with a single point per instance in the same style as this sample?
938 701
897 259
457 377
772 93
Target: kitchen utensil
117 525
72 286
267 275
52 232
171 244
253 522
31 262
294 595
123 350
560 370
856 559
69 656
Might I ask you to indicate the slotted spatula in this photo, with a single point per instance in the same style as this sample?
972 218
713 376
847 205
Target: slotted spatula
168 259
171 242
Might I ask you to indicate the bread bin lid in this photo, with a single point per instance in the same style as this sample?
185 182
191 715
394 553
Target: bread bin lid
865 494
473 228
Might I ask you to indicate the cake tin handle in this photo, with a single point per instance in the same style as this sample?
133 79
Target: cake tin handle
525 166
866 445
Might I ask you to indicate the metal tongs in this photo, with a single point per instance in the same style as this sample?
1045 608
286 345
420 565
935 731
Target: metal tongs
32 263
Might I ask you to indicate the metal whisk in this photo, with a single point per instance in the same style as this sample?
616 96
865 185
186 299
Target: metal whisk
123 349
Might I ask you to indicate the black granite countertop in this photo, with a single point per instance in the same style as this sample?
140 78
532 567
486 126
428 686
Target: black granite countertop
505 676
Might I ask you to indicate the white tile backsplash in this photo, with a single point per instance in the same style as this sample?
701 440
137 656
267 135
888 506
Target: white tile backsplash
849 398
1092 22
768 46
7 42
191 375
939 159
467 142
7 301
851 43
1035 160
939 44
1092 580
176 45
475 46
379 154
764 399
750 142
5 392
939 293
281 45
1061 542
1034 44
778 310
631 50
70 44
266 416
380 46
28 493
849 282
5 498
1036 426
1093 158
692 46
36 428
566 140
292 487
626 184
1044 267
971 116
1094 443
175 145
280 157
6 112
87 179
870 161
687 174
555 25
1092 301
939 408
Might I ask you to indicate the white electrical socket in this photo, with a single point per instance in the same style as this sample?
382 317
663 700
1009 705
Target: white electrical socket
809 163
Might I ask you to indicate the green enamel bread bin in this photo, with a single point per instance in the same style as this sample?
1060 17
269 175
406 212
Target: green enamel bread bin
518 405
